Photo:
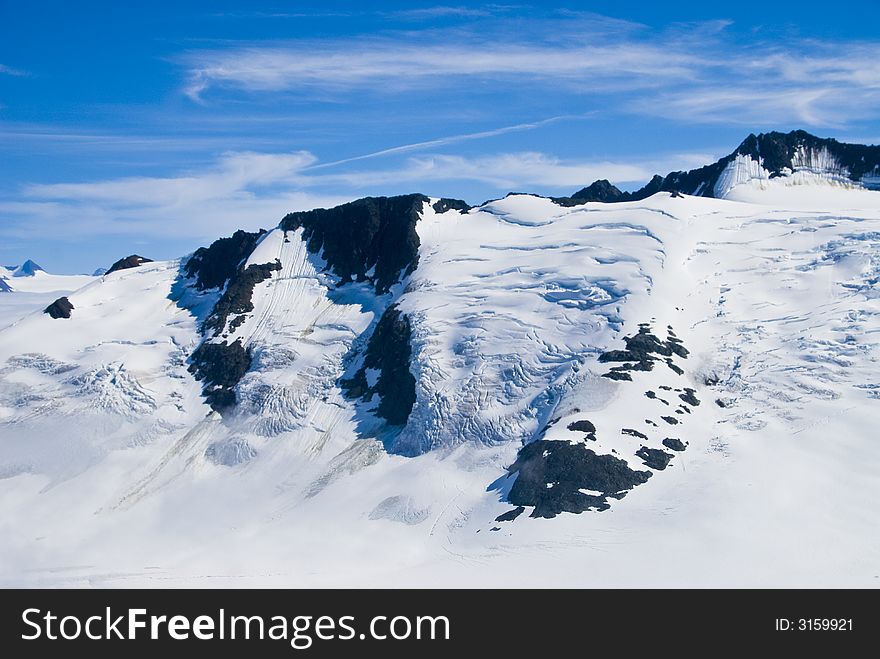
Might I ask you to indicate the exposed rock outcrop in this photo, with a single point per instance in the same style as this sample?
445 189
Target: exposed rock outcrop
132 261
558 476
60 308
388 356
213 266
372 239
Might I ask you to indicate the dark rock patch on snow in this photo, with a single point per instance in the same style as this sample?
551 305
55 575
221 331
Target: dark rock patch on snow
583 426
642 350
674 443
551 474
220 366
132 261
633 433
60 308
654 457
444 204
389 352
689 396
510 515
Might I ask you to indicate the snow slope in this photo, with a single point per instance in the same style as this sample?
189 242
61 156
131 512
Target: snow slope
115 472
34 293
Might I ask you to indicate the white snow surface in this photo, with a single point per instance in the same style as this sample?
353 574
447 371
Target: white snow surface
114 472
34 293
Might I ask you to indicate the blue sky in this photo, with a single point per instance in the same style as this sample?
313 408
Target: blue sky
134 129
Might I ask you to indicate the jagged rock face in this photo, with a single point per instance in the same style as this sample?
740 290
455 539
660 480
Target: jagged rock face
60 308
132 261
388 353
220 366
780 151
4 287
777 153
371 239
213 266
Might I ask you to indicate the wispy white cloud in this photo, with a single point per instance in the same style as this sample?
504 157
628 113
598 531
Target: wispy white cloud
399 65
8 70
503 172
242 190
235 174
444 11
690 72
250 190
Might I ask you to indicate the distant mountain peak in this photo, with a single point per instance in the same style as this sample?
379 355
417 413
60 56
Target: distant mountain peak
27 269
762 156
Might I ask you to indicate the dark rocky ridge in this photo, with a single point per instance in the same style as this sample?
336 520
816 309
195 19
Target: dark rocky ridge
213 266
222 365
775 150
568 468
237 298
4 287
132 261
60 308
354 238
389 351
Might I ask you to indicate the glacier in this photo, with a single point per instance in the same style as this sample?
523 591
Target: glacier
674 390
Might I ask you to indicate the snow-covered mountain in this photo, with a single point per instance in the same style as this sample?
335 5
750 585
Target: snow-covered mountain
796 157
409 390
27 269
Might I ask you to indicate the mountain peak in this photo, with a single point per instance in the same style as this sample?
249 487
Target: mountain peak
601 190
762 156
27 269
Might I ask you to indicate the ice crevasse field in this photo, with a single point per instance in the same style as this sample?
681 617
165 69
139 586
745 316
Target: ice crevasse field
749 437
